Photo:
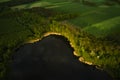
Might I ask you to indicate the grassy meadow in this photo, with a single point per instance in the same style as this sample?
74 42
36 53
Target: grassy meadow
87 15
93 30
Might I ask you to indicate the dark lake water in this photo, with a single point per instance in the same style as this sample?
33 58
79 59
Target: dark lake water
51 59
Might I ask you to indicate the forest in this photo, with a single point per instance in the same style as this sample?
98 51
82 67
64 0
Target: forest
91 26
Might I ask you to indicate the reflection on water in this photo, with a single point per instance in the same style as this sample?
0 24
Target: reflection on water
51 59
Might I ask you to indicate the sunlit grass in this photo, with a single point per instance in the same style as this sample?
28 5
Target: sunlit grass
55 5
104 28
98 21
88 16
41 4
34 4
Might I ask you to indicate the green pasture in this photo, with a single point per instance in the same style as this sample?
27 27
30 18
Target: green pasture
34 4
104 28
87 15
100 21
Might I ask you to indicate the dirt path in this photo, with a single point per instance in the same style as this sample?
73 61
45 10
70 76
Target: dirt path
51 59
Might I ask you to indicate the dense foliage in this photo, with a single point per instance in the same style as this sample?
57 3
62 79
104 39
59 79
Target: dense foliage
34 23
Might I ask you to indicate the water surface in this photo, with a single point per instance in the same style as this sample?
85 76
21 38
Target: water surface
51 59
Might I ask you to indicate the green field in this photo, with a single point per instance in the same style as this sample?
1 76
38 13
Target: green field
4 0
88 15
95 29
104 28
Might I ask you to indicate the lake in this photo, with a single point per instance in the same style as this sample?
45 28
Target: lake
51 59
